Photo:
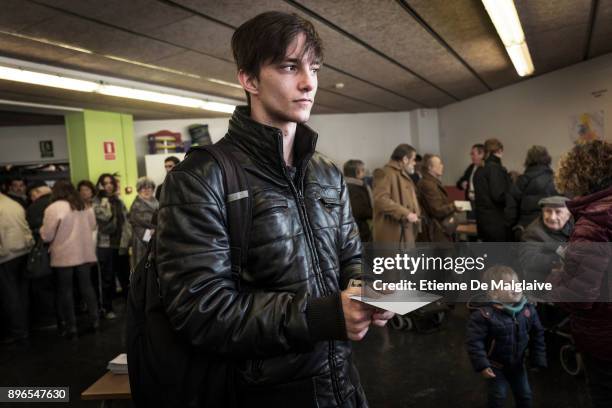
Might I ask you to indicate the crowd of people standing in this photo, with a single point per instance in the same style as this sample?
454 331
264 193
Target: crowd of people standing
66 249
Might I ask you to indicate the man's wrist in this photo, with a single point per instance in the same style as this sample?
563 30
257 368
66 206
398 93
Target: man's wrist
325 318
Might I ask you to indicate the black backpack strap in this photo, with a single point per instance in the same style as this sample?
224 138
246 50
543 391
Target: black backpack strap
238 202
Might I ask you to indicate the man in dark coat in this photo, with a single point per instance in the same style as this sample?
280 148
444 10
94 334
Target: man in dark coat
491 184
361 197
283 324
40 196
466 182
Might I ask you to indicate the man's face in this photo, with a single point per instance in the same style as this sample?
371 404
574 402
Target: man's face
436 166
409 162
476 155
286 91
169 165
18 187
555 218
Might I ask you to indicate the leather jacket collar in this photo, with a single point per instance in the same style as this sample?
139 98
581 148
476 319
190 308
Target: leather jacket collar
264 144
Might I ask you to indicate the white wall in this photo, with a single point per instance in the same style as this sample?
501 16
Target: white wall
535 111
370 137
19 144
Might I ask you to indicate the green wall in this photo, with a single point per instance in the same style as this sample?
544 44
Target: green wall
87 132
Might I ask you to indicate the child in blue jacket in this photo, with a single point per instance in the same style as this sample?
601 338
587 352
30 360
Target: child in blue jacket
499 332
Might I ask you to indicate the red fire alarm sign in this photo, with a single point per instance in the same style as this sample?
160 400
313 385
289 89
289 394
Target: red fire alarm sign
109 150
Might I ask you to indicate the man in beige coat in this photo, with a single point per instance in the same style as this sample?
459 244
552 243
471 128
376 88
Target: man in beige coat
396 207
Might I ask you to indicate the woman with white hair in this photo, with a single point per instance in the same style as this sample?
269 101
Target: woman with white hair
141 216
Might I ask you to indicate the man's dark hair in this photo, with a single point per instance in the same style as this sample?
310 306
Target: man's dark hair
479 146
172 159
351 167
12 179
264 39
402 151
64 190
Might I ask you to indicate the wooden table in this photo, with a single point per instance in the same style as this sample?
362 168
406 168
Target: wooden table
108 388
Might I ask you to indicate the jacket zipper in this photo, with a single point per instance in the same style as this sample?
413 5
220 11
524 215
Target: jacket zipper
297 193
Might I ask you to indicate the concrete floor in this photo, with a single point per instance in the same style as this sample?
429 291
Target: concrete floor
398 369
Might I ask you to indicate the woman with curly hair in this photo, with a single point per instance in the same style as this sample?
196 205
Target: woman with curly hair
536 183
585 173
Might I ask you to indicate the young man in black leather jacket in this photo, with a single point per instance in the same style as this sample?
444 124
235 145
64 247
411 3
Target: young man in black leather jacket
287 323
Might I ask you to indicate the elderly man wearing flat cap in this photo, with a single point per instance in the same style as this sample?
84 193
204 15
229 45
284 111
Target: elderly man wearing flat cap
548 232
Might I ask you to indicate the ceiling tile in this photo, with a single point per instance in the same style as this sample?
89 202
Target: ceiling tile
391 30
101 39
16 15
137 15
555 31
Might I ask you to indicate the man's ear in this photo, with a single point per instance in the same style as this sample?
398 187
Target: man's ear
249 82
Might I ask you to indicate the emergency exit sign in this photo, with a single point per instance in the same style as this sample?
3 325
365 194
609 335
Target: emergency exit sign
109 150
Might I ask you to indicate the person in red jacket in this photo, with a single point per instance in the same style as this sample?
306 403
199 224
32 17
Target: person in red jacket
584 284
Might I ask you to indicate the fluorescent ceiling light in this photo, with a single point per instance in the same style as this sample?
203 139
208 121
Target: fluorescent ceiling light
150 96
506 21
55 81
120 59
519 54
102 87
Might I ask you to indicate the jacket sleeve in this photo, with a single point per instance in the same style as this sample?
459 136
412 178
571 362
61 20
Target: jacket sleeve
350 242
51 221
498 184
477 331
437 204
382 197
513 205
587 259
202 299
465 177
360 203
537 344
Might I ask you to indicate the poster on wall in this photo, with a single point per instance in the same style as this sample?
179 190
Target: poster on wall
587 126
46 148
109 150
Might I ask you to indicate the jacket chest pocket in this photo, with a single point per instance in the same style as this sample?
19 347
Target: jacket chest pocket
270 219
324 206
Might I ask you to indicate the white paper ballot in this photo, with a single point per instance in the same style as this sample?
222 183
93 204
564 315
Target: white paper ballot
400 302
463 205
147 235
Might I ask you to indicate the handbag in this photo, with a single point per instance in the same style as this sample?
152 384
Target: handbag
39 262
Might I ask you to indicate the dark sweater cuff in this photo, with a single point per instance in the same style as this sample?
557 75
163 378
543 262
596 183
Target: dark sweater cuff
325 318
